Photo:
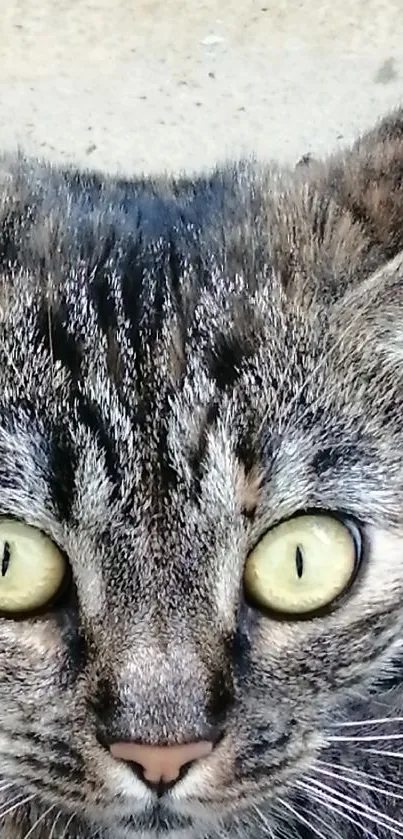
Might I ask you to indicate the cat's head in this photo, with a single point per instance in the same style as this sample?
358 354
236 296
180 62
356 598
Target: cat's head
200 536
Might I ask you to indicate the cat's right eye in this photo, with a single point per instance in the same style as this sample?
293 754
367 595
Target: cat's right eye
32 568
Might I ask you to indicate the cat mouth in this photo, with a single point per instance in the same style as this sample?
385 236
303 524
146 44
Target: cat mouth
160 819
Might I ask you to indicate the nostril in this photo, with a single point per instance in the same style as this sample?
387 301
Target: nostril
158 787
161 766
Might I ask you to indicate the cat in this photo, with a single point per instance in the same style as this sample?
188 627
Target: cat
201 499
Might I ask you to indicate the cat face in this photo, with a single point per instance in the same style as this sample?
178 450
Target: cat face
200 496
156 463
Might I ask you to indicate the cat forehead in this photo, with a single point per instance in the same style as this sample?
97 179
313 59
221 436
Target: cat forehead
241 364
169 356
190 468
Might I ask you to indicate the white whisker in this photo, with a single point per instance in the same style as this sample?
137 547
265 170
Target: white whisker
322 821
263 820
361 772
6 785
351 724
397 755
355 805
327 802
19 803
9 801
16 798
367 738
301 818
55 821
67 825
39 820
357 783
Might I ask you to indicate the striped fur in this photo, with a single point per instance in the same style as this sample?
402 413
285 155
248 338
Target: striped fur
182 365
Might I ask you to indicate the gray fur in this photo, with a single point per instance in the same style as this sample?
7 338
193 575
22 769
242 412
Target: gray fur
183 365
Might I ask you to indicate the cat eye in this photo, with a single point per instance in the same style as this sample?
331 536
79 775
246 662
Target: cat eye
303 565
32 568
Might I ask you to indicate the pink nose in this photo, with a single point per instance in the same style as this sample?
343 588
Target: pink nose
161 764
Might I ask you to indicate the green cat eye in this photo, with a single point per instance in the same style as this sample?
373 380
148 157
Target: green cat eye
32 568
302 565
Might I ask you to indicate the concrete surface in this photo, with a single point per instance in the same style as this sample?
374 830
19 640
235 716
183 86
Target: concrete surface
130 85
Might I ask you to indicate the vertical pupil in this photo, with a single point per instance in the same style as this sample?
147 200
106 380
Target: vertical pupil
5 562
299 562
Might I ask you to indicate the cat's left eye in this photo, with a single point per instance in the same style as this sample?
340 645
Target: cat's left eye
32 568
302 565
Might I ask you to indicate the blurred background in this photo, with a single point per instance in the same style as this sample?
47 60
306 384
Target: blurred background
143 85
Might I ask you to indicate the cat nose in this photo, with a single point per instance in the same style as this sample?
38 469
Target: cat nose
161 766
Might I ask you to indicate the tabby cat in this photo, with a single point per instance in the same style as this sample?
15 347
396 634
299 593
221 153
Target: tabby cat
201 500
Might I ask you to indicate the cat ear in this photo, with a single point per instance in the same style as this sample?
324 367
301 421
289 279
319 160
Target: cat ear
370 315
367 181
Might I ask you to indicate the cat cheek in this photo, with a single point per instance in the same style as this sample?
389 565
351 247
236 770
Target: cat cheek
40 641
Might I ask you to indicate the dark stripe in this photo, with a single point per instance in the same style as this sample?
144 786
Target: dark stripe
132 286
227 356
332 458
62 472
197 456
105 705
14 230
222 696
245 450
175 262
347 199
161 280
150 274
309 414
75 645
104 303
263 744
100 290
59 343
320 220
57 766
90 416
84 187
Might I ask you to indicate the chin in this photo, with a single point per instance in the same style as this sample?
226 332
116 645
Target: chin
159 819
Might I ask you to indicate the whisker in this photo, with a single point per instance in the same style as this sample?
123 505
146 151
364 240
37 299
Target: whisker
362 772
39 820
351 724
367 738
356 806
67 825
20 803
263 820
322 821
301 818
326 802
19 798
319 785
56 819
397 755
6 785
357 783
11 800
